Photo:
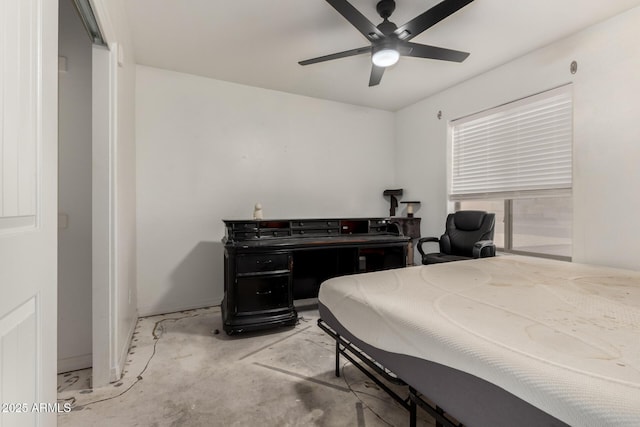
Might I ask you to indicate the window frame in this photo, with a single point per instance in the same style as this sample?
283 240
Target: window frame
508 197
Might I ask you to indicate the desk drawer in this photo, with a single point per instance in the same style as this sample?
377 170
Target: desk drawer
274 232
260 293
245 235
245 226
329 223
380 226
262 263
317 232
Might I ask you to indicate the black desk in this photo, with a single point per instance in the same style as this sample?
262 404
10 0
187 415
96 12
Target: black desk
270 263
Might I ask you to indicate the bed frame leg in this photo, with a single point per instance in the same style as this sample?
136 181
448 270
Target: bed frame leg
337 358
413 413
441 412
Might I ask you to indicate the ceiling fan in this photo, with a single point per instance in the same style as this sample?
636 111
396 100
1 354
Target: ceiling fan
388 41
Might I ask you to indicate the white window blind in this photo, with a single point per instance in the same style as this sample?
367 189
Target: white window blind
520 149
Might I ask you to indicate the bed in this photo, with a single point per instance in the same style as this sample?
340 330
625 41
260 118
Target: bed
501 341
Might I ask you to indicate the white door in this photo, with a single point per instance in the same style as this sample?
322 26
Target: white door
28 211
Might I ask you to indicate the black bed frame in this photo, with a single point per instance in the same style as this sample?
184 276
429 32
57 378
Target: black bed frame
410 403
469 400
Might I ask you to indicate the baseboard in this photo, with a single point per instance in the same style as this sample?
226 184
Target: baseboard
75 363
172 308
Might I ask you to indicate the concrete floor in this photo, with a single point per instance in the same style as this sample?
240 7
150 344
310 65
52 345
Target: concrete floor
181 372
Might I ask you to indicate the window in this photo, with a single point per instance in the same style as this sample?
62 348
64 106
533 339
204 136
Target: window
516 160
540 226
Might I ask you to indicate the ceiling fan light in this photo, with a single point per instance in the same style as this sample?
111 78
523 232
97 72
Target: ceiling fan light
385 57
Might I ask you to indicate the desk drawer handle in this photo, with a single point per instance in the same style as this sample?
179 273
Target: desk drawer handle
263 293
266 261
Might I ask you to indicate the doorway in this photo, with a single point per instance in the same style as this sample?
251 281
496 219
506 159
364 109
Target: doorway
74 192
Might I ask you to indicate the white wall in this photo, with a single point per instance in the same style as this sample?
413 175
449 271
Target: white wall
127 314
208 150
606 134
74 193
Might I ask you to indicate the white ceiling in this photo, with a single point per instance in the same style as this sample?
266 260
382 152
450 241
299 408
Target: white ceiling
259 42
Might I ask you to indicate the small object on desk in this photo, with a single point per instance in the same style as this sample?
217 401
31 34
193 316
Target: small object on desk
410 207
394 201
257 211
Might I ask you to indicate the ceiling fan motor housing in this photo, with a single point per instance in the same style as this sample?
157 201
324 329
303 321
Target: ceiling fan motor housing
387 28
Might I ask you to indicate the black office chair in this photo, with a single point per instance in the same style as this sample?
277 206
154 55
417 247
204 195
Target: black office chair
468 235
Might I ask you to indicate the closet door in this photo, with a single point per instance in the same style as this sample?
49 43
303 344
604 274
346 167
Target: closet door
28 211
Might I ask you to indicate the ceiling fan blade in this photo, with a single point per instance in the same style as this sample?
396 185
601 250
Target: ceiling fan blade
376 75
432 52
429 18
346 53
357 19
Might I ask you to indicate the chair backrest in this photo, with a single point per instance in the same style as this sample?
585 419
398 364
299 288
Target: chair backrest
463 229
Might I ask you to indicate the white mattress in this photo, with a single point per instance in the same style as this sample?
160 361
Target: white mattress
564 337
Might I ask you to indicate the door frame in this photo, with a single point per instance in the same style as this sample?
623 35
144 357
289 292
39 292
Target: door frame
107 365
104 217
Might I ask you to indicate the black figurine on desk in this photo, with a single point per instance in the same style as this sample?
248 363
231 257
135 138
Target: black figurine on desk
394 200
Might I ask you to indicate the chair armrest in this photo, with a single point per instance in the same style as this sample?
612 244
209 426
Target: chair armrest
425 240
484 249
